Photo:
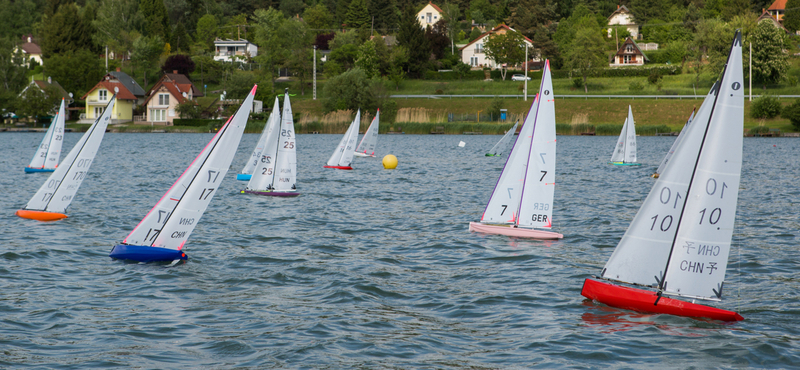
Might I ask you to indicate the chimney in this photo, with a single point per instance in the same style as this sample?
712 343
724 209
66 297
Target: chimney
175 71
119 69
617 6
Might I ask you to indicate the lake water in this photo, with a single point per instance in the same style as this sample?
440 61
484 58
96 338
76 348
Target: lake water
375 268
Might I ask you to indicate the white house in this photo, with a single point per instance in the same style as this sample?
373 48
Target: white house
623 17
474 55
429 15
30 50
227 50
629 54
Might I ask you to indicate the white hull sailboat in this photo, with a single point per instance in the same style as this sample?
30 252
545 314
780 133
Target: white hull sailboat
46 158
625 151
163 232
522 200
54 196
276 173
501 146
678 243
342 156
366 148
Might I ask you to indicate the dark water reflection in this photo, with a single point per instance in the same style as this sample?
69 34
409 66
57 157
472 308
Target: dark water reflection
376 269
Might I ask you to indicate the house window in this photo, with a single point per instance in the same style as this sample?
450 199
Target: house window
479 48
429 17
158 115
473 61
629 49
626 59
163 99
98 111
102 94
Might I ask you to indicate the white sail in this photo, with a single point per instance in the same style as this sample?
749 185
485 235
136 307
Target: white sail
641 255
343 154
265 169
619 151
256 155
60 188
172 220
536 206
370 139
504 201
630 139
286 162
699 255
50 148
501 145
674 145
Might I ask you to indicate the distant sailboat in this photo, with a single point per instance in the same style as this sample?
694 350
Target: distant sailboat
366 148
162 233
523 197
672 148
625 151
276 173
678 243
55 195
250 166
46 158
342 156
501 146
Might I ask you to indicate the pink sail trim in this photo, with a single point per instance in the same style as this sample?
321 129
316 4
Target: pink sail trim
514 231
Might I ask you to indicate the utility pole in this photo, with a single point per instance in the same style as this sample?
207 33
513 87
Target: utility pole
107 58
751 71
525 89
315 73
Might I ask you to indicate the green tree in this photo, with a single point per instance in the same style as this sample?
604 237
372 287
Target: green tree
791 19
545 47
399 58
76 71
792 113
357 15
292 8
188 110
586 51
207 27
12 75
181 41
507 49
19 17
298 40
386 15
486 9
65 31
318 18
710 46
146 53
769 61
271 53
156 18
367 59
527 15
451 14
461 69
115 21
349 90
411 36
37 103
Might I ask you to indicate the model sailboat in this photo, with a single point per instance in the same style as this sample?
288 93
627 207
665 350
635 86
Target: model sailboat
276 173
55 195
498 149
366 148
625 151
672 148
162 233
46 158
678 243
523 197
250 166
342 156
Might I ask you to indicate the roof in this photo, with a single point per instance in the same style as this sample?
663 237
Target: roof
229 41
778 5
180 79
493 31
45 84
175 89
128 81
635 45
31 48
111 85
438 9
620 9
765 16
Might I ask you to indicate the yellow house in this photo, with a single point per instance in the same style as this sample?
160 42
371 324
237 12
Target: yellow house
97 98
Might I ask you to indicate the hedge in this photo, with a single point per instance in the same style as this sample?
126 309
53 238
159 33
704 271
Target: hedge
621 72
478 75
196 122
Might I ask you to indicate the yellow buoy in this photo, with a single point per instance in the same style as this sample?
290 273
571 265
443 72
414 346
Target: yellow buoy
389 162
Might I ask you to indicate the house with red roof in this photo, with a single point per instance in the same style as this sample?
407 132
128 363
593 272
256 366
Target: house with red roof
777 9
129 95
474 55
163 99
429 15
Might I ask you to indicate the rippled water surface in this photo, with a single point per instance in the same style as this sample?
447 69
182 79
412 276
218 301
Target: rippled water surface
374 268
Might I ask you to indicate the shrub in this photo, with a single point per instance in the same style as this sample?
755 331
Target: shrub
654 77
577 82
792 113
636 86
188 110
766 106
196 122
494 108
